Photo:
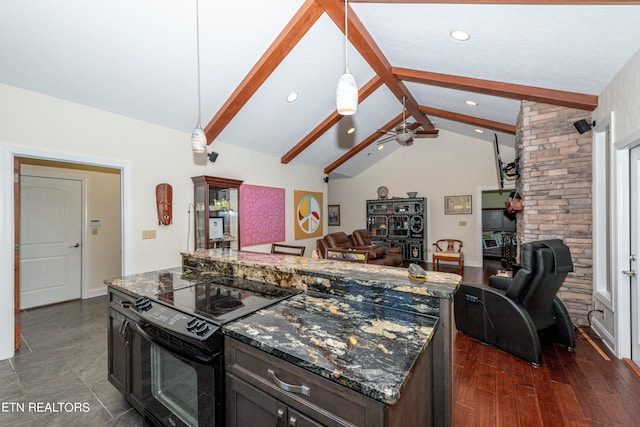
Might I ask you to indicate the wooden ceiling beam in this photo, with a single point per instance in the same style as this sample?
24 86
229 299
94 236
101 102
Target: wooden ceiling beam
495 88
302 21
329 122
470 120
502 2
364 144
362 40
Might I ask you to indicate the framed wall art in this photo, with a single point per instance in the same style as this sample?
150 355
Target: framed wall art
457 205
333 211
307 214
262 214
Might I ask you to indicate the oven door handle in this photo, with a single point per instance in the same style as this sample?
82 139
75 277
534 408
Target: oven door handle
202 357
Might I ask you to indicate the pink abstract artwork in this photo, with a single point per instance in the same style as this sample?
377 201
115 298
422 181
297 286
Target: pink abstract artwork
261 214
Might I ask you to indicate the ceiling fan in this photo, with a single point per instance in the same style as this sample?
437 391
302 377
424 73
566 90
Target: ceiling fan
404 132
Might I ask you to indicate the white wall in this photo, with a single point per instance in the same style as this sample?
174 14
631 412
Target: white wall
448 165
154 154
622 95
620 101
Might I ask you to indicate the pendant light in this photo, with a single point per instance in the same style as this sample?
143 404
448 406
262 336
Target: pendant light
198 138
347 92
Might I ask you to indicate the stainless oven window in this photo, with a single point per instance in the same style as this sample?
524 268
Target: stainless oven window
175 385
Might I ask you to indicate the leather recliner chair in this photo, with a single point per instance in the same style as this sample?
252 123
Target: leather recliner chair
512 313
392 256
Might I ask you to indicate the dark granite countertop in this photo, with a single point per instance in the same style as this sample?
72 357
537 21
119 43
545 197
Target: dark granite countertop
366 347
299 272
152 283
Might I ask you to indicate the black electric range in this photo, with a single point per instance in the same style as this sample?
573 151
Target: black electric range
182 349
195 313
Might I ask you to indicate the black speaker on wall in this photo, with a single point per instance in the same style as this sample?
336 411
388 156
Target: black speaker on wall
213 156
583 126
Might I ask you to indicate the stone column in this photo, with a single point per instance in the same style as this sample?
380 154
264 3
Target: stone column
555 185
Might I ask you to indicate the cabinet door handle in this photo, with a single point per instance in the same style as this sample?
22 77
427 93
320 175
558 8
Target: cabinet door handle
293 422
300 389
280 418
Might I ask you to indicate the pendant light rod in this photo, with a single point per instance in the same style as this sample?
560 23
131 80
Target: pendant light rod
198 57
346 37
198 137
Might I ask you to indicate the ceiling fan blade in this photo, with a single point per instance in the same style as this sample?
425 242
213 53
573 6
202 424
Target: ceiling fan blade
413 126
386 139
425 133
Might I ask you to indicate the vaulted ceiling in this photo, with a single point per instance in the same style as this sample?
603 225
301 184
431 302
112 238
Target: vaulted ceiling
139 58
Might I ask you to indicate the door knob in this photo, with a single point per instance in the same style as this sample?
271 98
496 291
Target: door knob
75 245
630 273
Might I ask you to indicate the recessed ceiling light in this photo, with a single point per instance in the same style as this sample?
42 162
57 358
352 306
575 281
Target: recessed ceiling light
471 102
350 131
479 130
292 97
380 147
459 35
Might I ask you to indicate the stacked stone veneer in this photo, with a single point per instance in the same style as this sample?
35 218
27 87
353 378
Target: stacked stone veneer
555 185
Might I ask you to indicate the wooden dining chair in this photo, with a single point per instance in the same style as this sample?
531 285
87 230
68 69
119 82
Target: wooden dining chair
277 248
448 250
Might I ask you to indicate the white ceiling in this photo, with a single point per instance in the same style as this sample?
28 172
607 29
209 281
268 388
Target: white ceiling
138 58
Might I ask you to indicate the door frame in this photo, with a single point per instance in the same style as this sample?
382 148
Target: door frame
84 222
621 217
478 208
7 155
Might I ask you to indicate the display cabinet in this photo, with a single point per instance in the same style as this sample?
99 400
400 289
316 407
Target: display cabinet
402 223
217 209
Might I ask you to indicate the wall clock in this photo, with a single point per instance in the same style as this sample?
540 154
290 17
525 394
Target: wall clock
383 192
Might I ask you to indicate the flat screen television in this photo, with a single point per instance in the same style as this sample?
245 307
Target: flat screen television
499 162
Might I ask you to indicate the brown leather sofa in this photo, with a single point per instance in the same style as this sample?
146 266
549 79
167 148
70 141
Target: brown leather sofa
340 240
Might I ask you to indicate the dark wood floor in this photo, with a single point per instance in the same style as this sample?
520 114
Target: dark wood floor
579 388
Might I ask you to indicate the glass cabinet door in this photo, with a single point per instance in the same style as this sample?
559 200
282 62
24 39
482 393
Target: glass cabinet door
217 224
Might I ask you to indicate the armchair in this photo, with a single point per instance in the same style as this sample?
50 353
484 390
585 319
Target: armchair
452 252
512 313
391 256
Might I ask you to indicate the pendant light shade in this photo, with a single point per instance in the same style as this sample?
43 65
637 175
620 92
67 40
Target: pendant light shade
198 140
347 95
347 92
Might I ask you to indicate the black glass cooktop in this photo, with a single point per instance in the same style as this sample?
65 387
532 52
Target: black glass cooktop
223 299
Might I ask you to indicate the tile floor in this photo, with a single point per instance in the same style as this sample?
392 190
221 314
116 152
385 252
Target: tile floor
62 362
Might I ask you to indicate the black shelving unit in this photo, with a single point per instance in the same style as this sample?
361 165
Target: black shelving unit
400 223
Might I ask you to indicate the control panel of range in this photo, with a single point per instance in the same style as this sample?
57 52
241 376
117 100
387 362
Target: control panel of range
174 321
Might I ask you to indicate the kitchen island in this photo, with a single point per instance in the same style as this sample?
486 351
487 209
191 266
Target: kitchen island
357 345
365 327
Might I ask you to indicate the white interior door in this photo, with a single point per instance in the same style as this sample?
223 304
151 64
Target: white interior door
50 240
635 241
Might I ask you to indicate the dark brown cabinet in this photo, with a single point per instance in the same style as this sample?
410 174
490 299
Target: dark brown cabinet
264 390
217 212
124 350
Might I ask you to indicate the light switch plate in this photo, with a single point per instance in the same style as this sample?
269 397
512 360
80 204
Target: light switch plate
148 234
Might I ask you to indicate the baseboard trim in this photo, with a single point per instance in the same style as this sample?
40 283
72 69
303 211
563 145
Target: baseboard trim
631 365
606 337
92 293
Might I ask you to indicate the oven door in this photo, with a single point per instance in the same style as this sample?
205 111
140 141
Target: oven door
179 388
